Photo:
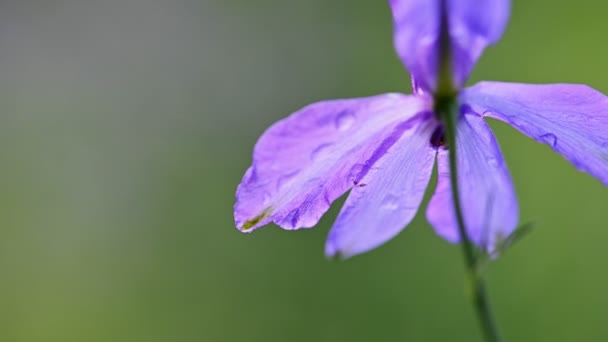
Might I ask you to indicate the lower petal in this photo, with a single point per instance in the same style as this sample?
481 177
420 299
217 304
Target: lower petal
487 196
388 197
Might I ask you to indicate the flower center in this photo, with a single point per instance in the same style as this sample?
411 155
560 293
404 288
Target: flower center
438 137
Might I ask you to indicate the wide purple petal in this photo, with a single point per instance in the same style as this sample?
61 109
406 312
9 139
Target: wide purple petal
488 201
388 197
571 119
304 162
473 25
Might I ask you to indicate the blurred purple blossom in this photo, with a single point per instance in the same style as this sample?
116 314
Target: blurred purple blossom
383 148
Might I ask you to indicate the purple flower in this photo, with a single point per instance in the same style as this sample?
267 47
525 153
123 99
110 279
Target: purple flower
383 147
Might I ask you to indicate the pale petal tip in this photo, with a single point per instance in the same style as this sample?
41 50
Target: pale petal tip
333 252
249 225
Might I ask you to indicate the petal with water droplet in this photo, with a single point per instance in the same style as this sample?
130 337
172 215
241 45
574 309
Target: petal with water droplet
304 162
345 120
571 119
394 189
488 201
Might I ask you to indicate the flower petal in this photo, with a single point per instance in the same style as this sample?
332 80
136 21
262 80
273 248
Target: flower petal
571 119
473 25
388 197
488 201
304 162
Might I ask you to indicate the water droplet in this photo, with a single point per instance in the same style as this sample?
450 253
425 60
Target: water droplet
493 162
486 113
549 139
319 151
285 179
390 202
344 121
266 198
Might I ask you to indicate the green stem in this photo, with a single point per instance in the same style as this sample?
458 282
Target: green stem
480 300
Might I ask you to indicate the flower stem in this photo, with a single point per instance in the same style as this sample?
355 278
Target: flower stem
480 300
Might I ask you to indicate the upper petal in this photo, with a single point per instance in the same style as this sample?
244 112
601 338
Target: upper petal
571 119
473 25
388 197
304 162
488 201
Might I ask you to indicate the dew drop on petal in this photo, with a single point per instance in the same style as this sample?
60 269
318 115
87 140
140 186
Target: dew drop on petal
266 198
344 121
549 139
319 151
493 162
285 179
390 202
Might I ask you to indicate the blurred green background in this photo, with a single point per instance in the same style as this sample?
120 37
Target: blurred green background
127 124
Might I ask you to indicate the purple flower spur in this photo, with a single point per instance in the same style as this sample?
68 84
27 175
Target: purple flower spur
383 148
